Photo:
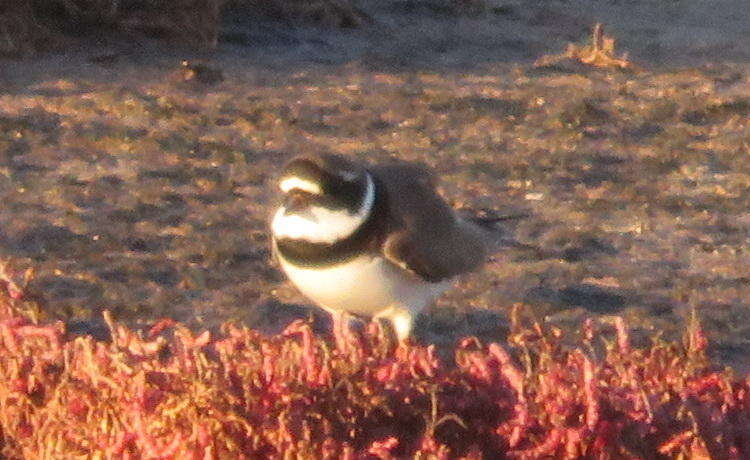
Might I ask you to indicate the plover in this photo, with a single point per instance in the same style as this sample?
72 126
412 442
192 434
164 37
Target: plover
372 241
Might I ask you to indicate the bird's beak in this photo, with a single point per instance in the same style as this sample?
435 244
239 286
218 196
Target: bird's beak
296 200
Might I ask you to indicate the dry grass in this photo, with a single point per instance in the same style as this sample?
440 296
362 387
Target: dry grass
20 32
328 13
599 53
26 25
194 22
89 11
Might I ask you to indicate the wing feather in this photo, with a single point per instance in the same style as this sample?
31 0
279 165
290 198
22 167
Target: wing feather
425 236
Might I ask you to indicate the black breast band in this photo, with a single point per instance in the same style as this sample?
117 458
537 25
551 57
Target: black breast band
367 237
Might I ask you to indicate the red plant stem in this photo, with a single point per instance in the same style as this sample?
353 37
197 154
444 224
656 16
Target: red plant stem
590 391
623 337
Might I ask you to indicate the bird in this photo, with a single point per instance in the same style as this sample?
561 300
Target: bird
372 241
200 73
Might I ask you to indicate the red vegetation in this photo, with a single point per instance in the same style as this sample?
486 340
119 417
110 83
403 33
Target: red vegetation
173 394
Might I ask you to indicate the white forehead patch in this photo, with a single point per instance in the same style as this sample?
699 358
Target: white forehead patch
322 225
293 182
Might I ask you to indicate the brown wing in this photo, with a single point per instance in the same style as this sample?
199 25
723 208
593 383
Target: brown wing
424 235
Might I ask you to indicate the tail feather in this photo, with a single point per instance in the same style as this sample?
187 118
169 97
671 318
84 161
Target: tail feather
496 236
491 221
488 218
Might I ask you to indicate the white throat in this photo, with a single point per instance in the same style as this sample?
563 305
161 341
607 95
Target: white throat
322 225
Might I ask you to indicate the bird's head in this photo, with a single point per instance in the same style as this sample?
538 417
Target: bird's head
326 197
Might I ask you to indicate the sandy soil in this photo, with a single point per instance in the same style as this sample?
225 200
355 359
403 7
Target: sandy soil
127 188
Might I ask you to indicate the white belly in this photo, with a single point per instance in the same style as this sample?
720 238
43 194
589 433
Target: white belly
367 285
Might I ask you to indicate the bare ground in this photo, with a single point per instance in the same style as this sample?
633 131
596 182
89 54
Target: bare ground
127 188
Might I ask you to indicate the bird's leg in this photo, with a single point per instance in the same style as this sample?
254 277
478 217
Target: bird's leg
387 333
340 322
401 322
